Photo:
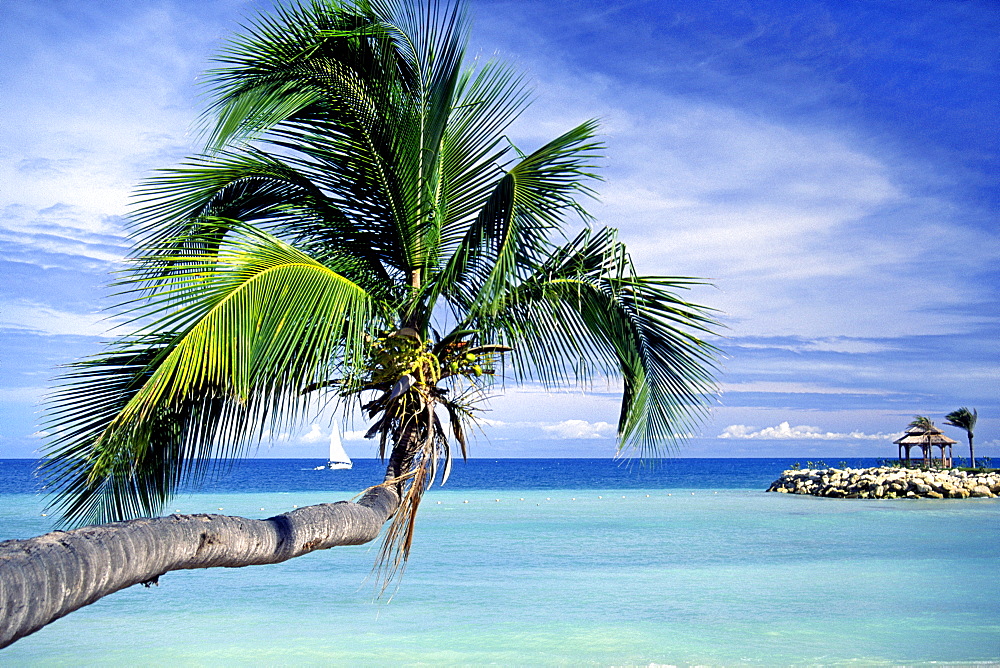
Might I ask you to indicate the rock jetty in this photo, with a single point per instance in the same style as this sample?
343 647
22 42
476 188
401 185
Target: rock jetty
888 483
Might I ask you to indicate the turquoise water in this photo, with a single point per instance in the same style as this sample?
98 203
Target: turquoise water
606 577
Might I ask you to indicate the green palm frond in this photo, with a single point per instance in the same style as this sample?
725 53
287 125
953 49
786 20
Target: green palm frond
585 311
281 67
474 147
510 236
224 347
195 201
964 419
373 89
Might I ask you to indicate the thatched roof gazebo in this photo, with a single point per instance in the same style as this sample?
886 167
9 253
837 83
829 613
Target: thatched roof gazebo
926 437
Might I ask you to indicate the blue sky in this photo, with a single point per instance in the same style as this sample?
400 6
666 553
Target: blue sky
832 166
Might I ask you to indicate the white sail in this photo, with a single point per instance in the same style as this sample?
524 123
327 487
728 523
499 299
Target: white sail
338 456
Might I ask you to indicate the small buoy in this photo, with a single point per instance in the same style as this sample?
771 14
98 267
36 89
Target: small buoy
498 500
292 507
692 493
262 509
573 499
220 508
600 497
439 503
44 515
623 496
548 498
647 496
522 498
466 501
669 494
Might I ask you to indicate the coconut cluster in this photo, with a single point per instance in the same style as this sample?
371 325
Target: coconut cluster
888 483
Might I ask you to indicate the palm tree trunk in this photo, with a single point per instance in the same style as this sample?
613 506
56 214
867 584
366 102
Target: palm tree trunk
972 453
47 577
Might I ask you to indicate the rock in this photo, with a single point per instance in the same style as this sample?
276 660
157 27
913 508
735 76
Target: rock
886 483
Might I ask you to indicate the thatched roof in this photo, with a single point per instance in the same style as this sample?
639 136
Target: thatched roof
919 436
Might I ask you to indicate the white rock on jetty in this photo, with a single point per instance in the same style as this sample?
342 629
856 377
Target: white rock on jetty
887 483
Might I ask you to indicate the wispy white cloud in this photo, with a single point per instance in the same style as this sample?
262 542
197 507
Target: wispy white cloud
838 344
88 115
579 429
21 395
785 431
808 228
792 387
42 319
31 235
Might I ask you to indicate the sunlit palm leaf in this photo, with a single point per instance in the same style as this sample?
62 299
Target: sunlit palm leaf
255 323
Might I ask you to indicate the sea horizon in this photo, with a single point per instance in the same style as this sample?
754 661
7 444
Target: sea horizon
291 474
825 458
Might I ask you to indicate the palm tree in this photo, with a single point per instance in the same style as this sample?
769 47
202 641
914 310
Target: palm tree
965 420
926 425
361 230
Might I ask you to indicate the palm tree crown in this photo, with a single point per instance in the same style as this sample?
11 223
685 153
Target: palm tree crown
965 420
361 227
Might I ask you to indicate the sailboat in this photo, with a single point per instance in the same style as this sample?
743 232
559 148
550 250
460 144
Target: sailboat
338 457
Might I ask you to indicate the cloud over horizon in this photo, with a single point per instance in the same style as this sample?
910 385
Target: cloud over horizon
580 429
785 431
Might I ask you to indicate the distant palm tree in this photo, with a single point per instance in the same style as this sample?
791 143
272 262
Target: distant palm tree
964 419
923 422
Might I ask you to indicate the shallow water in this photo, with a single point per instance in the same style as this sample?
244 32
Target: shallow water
593 576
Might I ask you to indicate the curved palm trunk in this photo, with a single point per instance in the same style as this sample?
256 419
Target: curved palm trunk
972 452
45 578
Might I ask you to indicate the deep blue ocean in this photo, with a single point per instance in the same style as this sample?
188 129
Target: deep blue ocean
295 475
562 562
